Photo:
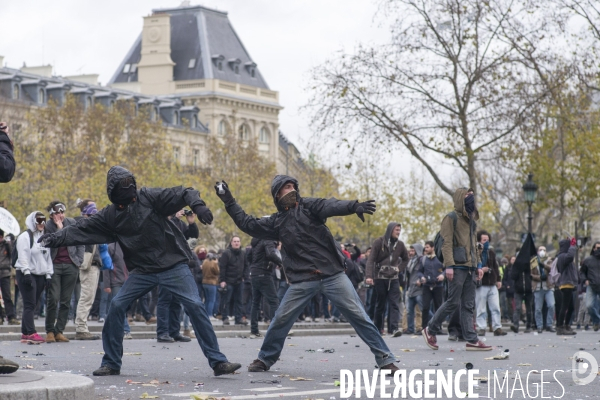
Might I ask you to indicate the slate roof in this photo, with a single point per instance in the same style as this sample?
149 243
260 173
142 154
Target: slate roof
202 34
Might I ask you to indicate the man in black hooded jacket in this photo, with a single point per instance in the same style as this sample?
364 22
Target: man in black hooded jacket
313 263
590 273
155 252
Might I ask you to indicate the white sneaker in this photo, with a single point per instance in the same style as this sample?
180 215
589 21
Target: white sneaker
317 320
213 319
101 320
127 336
307 319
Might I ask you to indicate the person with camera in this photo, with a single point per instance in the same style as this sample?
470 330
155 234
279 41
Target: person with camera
66 263
34 273
155 253
313 264
462 261
387 261
231 277
264 260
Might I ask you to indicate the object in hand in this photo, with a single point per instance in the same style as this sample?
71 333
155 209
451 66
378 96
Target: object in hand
220 188
187 213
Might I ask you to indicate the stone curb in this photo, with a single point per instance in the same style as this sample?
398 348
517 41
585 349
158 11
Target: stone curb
53 386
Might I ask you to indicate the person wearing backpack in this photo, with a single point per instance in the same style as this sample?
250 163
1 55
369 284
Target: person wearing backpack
462 260
566 283
34 273
5 272
590 274
387 261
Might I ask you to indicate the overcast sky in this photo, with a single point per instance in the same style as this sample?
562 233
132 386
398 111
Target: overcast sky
285 38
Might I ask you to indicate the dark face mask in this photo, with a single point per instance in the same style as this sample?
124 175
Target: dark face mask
596 253
470 204
123 197
288 201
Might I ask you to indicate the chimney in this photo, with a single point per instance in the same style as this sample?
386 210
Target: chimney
43 70
1 61
90 79
155 69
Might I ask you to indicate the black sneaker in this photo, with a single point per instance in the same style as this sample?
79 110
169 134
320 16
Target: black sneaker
165 339
257 366
244 323
226 368
397 333
255 335
7 366
514 329
105 371
182 338
453 338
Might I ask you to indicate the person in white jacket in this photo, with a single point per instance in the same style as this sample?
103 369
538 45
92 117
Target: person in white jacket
34 272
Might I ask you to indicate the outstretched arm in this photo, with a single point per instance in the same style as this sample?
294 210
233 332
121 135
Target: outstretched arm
169 201
92 230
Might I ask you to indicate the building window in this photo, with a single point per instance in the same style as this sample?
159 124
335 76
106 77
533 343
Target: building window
236 69
192 63
263 136
253 73
41 96
196 158
156 114
195 121
88 102
126 68
222 129
16 93
133 68
244 132
175 118
176 154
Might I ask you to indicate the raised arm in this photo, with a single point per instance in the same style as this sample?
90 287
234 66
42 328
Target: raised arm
169 201
92 230
7 159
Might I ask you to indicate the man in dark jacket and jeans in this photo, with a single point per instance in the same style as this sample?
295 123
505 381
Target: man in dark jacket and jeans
155 252
521 276
7 171
567 282
387 261
463 264
313 263
264 259
590 273
231 278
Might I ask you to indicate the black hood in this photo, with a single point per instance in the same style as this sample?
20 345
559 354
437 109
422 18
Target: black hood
114 176
278 182
594 245
563 246
388 231
527 252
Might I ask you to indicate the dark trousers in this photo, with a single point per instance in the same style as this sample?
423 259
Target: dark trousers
9 307
430 294
263 287
454 328
168 312
528 297
30 294
281 289
247 299
234 292
566 308
62 286
388 292
461 295
371 302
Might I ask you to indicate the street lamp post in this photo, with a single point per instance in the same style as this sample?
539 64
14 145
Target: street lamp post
530 189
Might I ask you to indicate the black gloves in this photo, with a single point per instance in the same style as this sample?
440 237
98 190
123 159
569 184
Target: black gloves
45 239
225 195
27 281
366 207
204 215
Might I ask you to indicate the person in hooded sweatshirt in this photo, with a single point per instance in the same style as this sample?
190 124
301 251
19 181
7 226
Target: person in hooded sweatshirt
414 293
462 261
388 259
313 263
34 273
590 273
567 283
155 253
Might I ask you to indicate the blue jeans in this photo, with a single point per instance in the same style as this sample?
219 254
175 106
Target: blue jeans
410 316
592 303
104 298
540 296
180 282
114 291
283 287
341 293
490 297
210 297
168 313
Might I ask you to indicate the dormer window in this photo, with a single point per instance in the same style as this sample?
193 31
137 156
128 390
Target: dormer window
88 102
251 68
41 96
15 93
218 60
133 68
126 68
234 63
192 63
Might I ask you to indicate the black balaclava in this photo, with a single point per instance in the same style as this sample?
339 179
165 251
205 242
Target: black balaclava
470 204
596 253
123 196
289 200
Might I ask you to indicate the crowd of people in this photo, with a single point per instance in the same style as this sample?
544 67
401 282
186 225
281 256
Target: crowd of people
141 260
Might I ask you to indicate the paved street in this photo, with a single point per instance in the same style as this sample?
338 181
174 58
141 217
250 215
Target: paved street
155 364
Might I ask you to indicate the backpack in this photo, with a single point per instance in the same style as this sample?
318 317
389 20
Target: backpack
15 253
554 274
438 242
